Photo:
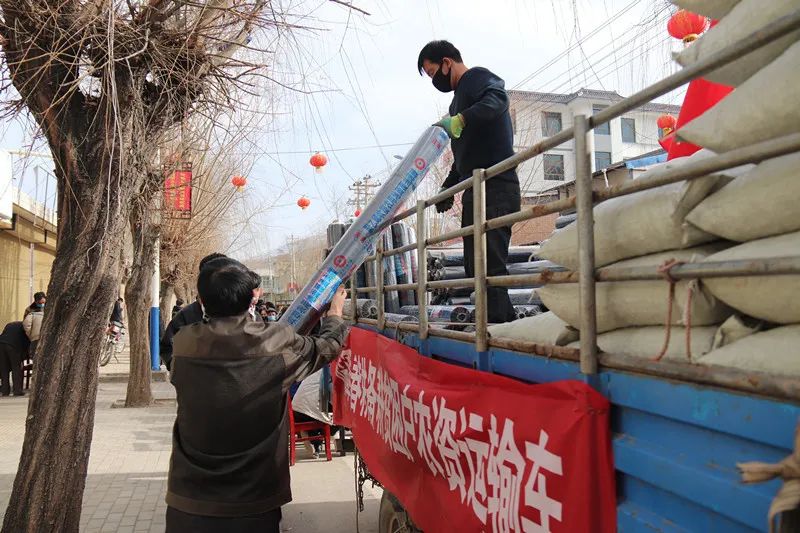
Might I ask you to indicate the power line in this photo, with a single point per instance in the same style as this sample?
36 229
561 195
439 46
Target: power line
345 149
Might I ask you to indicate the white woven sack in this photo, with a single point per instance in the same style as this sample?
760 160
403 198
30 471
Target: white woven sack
644 222
745 18
761 203
715 9
772 298
623 304
648 341
762 108
776 351
545 328
735 328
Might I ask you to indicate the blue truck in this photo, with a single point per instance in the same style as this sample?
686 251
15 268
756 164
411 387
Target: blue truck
679 430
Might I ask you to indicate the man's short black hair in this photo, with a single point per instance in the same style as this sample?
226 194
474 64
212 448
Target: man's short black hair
226 287
210 257
436 51
38 296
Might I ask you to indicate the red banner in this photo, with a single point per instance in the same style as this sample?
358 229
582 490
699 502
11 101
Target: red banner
465 450
178 192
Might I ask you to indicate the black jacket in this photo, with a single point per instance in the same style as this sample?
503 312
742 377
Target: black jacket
488 136
14 336
191 314
230 440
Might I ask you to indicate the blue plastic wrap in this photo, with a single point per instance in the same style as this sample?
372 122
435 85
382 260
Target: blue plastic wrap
360 239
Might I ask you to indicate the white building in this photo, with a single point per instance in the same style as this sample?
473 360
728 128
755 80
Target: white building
539 115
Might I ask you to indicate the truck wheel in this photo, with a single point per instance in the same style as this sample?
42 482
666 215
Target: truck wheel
392 517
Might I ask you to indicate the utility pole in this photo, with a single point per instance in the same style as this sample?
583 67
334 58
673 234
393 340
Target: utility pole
363 191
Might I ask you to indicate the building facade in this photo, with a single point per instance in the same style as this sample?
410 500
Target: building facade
27 251
536 116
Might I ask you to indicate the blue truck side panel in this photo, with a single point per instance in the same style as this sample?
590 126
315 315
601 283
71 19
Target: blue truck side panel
676 444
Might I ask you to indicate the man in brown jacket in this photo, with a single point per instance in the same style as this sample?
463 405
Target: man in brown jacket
229 470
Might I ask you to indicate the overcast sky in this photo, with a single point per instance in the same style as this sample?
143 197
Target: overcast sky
368 92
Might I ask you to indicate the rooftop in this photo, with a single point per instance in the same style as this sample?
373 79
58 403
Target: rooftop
589 94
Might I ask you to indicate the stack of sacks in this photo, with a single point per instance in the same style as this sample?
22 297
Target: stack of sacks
645 229
626 304
737 19
645 222
760 208
642 229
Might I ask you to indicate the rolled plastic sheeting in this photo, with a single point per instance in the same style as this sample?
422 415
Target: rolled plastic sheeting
412 237
533 267
359 241
391 300
566 220
442 313
402 261
517 296
366 308
397 317
455 256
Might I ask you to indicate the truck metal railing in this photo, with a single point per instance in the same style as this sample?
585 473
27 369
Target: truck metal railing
586 276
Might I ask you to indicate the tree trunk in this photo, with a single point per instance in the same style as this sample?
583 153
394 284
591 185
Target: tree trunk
138 296
48 488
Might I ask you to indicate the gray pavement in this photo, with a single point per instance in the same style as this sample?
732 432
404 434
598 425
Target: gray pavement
129 461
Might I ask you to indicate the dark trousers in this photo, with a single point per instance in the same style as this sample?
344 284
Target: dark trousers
10 363
180 522
497 241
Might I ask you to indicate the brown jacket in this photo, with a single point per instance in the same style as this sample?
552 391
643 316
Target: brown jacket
230 440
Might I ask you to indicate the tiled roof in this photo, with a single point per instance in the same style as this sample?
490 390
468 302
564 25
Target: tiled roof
589 94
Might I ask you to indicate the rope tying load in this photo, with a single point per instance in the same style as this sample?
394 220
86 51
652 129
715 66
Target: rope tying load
788 497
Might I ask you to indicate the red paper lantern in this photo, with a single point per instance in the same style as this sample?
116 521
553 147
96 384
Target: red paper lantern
686 25
357 213
239 182
303 202
318 161
667 124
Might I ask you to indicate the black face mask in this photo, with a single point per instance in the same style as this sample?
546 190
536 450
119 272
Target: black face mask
442 81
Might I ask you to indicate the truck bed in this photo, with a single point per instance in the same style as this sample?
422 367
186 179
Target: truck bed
676 444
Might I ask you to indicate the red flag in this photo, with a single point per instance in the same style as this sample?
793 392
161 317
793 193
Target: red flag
700 97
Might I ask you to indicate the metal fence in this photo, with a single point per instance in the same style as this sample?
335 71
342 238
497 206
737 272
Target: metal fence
587 274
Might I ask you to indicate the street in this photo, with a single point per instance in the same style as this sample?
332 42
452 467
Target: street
129 461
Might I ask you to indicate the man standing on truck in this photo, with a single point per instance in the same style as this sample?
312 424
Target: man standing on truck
479 125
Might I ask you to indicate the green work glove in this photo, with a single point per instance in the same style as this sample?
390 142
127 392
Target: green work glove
446 204
452 125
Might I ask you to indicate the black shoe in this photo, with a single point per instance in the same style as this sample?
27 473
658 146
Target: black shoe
19 394
4 394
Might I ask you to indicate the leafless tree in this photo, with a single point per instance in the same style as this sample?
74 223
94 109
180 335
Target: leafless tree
104 82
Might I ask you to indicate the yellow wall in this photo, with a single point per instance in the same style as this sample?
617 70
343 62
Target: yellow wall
15 289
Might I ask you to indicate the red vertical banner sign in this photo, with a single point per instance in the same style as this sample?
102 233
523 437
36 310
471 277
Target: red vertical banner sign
469 451
178 192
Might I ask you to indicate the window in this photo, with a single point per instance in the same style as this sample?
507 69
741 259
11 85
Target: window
553 167
602 129
551 123
628 130
602 160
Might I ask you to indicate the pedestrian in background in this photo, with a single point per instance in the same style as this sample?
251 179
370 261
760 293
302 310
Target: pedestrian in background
191 314
14 345
32 323
39 298
177 307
